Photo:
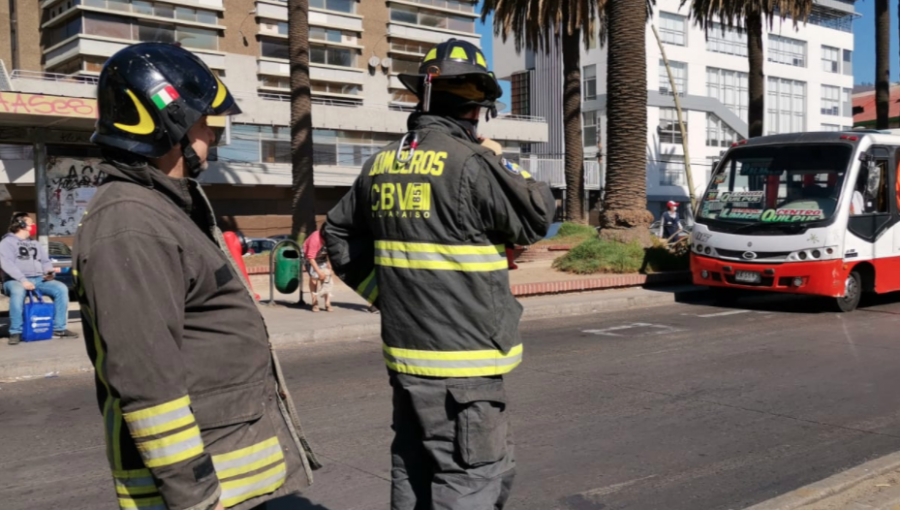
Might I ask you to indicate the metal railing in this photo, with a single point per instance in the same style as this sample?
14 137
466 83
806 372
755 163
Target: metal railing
21 74
524 118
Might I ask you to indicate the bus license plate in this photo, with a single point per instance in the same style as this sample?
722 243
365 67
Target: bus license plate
747 277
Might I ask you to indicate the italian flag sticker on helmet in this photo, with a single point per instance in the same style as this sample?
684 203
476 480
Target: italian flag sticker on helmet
165 96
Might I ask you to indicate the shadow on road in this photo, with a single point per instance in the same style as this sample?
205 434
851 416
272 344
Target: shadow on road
292 502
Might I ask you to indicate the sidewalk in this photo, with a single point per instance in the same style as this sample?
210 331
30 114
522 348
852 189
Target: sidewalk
874 485
290 325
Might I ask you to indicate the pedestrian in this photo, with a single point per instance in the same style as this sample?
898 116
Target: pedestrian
670 222
422 234
316 263
195 408
27 267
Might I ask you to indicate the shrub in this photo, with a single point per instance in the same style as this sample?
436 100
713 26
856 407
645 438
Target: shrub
596 256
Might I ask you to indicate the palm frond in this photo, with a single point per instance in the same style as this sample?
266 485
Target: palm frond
732 13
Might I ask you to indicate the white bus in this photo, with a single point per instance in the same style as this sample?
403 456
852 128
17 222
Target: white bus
804 213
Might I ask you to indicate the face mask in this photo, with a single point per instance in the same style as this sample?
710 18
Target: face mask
32 230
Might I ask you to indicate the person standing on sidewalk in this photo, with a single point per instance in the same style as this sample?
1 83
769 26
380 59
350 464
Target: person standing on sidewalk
27 267
194 404
317 266
422 233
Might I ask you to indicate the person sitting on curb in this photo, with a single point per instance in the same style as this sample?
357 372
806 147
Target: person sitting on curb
26 267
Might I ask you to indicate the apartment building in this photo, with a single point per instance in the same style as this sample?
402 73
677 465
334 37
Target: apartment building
809 81
357 48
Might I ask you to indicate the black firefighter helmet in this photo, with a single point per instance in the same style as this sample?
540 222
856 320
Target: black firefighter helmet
457 68
151 94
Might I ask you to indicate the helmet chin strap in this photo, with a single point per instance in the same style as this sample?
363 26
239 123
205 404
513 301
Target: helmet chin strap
191 160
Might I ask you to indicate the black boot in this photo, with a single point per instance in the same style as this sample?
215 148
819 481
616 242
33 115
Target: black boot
65 334
15 339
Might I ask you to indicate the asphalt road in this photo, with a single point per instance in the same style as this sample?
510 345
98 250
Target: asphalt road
678 407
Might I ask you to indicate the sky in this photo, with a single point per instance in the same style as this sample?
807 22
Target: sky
864 43
486 31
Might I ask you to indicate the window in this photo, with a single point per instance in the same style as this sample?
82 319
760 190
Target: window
672 29
830 127
198 38
589 87
141 7
848 62
669 130
453 5
783 50
718 133
679 75
671 171
275 82
404 65
107 26
785 106
277 27
324 34
730 41
831 100
431 19
404 96
521 93
419 48
831 59
730 88
846 103
590 128
334 5
346 148
64 31
275 151
155 32
324 87
271 48
341 57
94 64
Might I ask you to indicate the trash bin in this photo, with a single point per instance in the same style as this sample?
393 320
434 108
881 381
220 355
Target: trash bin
287 269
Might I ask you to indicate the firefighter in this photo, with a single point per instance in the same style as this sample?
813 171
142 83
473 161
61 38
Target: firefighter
422 234
195 409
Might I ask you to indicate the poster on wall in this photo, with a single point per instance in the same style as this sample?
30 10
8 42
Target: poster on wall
71 184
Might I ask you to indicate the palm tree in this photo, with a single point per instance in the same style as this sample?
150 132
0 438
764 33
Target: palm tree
625 216
882 64
539 25
752 13
303 204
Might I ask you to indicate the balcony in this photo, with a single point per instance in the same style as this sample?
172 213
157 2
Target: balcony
553 172
278 11
106 47
428 34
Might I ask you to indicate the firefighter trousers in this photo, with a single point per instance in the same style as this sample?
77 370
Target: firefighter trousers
452 447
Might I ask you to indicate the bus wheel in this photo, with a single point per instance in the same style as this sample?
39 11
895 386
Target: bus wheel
724 297
852 293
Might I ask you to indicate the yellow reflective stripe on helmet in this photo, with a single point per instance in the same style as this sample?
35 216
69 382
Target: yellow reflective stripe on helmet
145 124
431 55
452 364
221 94
459 53
479 58
237 491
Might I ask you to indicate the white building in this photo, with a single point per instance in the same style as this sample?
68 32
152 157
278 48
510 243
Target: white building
809 78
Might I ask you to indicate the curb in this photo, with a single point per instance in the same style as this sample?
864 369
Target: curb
606 282
831 486
80 364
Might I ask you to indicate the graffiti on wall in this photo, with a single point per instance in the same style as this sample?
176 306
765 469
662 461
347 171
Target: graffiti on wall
37 104
71 184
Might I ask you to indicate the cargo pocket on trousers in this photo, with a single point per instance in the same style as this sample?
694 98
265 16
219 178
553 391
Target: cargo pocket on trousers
481 422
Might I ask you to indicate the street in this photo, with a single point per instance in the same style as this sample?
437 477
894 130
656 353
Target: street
682 406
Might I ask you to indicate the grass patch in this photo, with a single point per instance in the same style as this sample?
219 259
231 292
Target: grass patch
596 256
571 233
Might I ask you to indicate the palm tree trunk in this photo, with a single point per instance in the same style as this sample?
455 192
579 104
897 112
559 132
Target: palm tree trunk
757 78
625 204
574 157
882 64
303 203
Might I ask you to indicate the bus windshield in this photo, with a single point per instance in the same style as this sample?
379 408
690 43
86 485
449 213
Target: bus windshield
777 185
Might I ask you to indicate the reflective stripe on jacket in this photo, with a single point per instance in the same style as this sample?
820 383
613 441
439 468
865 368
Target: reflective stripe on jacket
423 235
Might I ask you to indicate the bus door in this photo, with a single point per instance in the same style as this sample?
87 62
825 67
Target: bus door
871 212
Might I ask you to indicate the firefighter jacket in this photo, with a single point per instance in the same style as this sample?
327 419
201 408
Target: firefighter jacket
422 234
186 382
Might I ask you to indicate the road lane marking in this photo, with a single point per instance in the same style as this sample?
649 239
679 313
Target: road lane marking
656 329
719 314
